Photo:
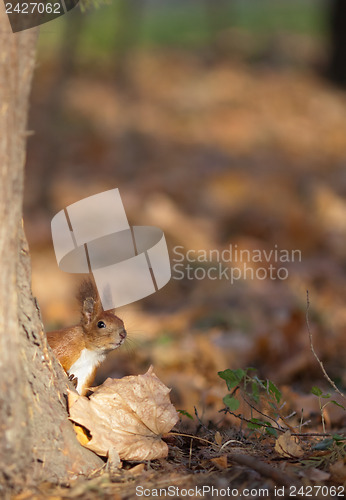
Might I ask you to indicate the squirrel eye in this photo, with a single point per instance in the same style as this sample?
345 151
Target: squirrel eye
101 324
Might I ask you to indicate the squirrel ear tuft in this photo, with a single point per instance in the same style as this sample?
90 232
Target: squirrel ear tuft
88 310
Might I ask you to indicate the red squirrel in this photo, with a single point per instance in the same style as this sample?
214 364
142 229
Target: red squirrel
82 348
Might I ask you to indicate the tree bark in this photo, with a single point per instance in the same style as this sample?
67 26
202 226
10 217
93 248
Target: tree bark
337 57
37 441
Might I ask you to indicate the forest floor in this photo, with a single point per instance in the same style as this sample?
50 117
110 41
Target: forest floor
222 154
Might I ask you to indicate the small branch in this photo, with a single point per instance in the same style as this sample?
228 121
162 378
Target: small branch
314 352
278 410
284 419
173 433
263 469
297 434
190 453
263 414
200 421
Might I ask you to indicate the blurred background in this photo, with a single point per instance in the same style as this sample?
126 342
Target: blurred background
223 122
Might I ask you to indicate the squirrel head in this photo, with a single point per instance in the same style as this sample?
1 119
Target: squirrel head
103 330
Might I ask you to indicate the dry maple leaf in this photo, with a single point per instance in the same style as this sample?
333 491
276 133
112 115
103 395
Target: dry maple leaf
220 462
129 415
286 446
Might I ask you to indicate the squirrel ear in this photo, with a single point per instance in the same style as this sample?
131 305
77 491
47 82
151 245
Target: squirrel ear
88 310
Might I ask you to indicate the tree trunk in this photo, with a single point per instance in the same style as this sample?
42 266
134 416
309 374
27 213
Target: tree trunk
337 58
37 442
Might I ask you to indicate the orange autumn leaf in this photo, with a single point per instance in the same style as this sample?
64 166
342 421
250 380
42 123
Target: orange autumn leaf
81 434
287 446
220 462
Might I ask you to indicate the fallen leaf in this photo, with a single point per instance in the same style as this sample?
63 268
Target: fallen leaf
316 474
220 462
338 471
137 469
286 446
218 438
81 434
129 415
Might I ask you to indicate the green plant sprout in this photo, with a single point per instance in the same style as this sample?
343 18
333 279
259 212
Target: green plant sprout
185 413
252 388
319 393
335 444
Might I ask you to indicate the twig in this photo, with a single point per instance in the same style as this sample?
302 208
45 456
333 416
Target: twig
313 350
229 442
191 436
297 434
200 421
263 414
173 433
190 454
264 469
301 419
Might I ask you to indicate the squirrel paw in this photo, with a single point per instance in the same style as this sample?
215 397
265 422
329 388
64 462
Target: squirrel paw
74 380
